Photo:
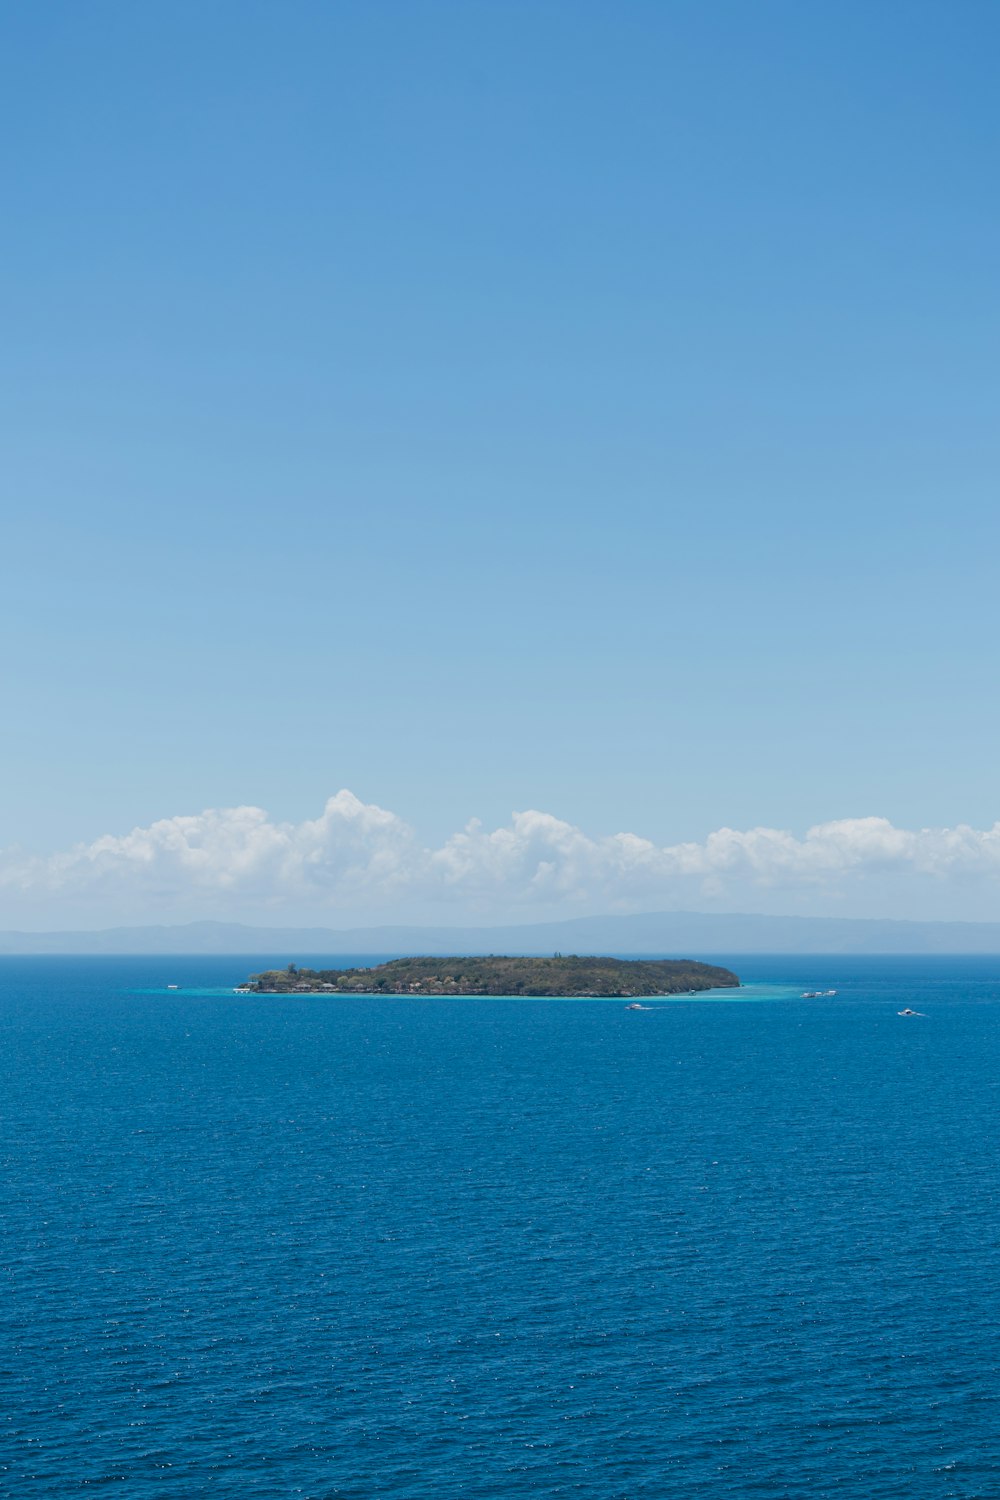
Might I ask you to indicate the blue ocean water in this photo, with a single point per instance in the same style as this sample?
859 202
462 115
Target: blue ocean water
359 1247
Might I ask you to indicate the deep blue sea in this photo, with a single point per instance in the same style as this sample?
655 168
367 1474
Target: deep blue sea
490 1249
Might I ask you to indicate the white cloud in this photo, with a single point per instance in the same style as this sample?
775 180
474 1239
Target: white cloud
357 859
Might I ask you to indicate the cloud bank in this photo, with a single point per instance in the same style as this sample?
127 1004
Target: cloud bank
360 861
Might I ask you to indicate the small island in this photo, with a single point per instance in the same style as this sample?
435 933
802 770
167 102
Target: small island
568 977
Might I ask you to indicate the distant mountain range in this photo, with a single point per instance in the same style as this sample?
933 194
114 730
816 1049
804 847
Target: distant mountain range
688 934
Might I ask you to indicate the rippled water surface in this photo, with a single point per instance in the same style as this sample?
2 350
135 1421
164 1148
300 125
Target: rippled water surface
456 1249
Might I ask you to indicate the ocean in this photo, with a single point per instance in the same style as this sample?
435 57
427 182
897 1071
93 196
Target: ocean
474 1249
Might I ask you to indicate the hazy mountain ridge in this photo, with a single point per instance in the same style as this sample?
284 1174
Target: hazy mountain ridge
656 933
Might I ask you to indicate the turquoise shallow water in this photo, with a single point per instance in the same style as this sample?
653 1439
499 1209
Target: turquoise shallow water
746 992
437 1248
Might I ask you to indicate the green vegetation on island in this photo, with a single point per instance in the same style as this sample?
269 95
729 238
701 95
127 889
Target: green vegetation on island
559 975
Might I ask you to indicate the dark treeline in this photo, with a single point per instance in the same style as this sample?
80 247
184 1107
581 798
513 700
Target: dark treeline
559 975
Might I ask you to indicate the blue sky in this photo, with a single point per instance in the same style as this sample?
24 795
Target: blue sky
578 407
